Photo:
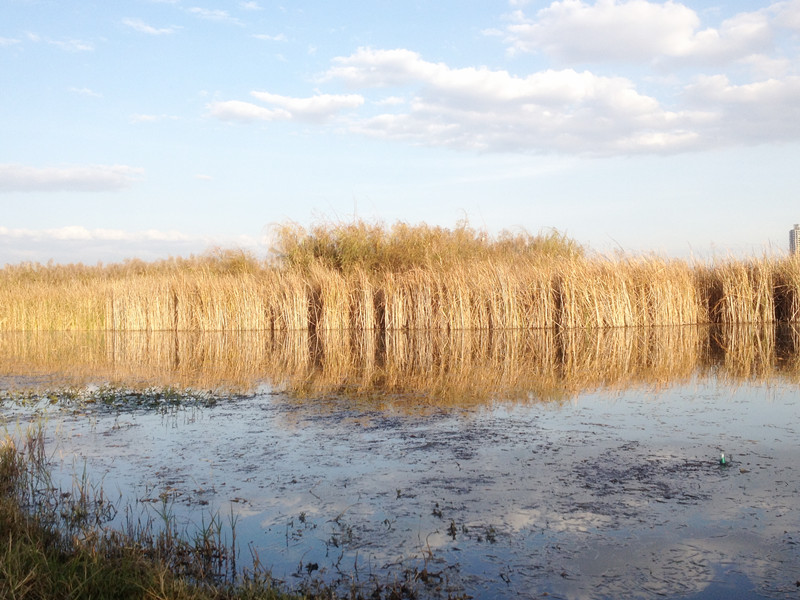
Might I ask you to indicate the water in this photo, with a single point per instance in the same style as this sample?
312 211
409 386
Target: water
611 492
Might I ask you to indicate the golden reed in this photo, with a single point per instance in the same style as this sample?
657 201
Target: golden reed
363 277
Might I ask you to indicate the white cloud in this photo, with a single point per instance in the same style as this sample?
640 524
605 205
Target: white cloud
754 112
77 232
271 38
316 108
250 6
87 178
4 41
565 110
574 31
766 67
478 108
144 118
744 96
142 27
787 14
380 68
77 243
214 15
85 92
390 101
236 110
72 45
738 37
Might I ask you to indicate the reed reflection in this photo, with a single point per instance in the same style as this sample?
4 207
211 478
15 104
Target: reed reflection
434 367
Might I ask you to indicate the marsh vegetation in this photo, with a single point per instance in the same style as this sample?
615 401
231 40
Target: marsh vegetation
399 278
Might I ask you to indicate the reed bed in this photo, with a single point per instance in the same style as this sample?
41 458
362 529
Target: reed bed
403 278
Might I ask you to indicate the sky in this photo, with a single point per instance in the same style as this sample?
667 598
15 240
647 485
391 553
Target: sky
156 128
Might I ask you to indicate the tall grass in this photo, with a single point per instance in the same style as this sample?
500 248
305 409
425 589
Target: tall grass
371 277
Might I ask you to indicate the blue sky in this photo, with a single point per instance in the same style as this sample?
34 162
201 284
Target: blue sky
163 127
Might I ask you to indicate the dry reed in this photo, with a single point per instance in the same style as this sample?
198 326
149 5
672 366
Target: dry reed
403 278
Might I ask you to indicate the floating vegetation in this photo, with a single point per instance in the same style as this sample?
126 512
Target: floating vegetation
109 398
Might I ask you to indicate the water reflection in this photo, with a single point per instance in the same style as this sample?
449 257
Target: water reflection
440 367
616 493
610 496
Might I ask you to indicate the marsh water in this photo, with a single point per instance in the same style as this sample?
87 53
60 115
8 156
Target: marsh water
516 464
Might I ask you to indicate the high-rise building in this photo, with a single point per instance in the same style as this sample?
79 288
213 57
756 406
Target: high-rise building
794 240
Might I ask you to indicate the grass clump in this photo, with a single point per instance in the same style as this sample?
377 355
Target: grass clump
348 247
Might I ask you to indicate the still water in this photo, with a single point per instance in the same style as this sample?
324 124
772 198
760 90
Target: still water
581 473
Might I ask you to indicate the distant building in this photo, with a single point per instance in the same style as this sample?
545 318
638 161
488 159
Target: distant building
794 240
